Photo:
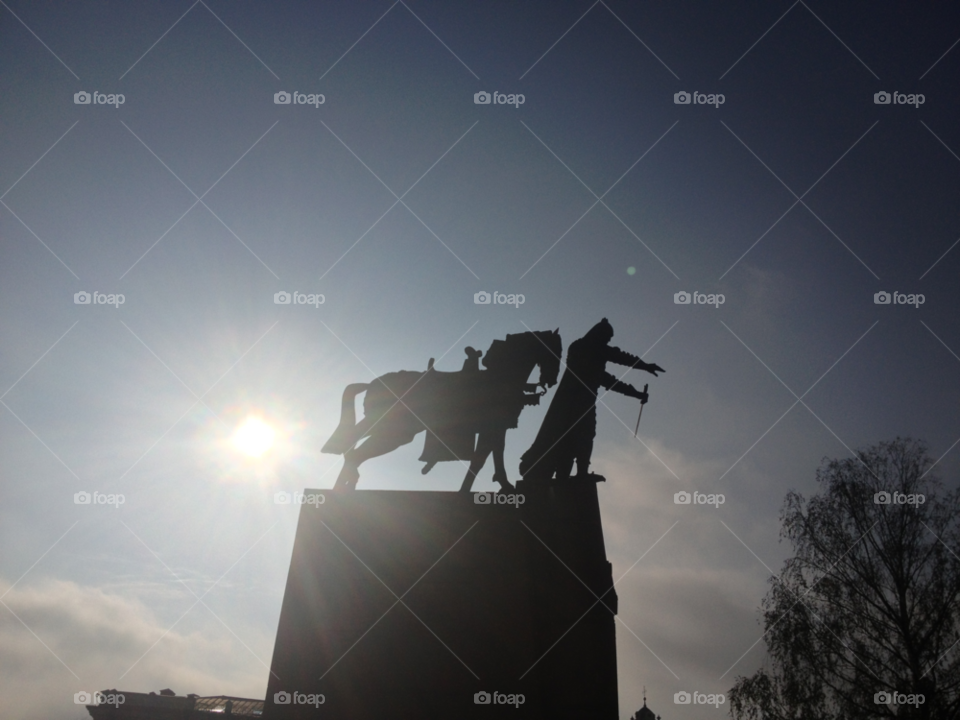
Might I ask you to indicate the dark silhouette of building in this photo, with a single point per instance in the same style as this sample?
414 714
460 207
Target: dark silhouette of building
427 604
645 713
167 705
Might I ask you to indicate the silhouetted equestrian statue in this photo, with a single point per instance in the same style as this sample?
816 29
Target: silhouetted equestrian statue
566 435
466 414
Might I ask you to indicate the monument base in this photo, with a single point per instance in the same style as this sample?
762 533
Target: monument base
432 605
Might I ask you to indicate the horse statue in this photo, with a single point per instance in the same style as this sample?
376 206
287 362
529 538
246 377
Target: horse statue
466 414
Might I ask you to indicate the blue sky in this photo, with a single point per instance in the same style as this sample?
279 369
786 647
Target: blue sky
797 199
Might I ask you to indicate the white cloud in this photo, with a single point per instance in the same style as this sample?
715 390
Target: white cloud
693 598
99 636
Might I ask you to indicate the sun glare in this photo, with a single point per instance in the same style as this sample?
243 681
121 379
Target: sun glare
254 437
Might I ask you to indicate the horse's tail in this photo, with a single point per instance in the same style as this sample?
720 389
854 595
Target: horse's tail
344 437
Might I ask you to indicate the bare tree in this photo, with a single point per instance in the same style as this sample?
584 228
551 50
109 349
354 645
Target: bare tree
865 612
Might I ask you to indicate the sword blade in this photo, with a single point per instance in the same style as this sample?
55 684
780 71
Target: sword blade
637 428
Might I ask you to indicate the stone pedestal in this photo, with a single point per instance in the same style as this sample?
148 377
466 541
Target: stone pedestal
409 604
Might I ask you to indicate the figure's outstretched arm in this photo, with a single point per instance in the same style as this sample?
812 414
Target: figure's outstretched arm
621 357
618 386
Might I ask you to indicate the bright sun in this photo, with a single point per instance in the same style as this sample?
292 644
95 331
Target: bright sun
254 437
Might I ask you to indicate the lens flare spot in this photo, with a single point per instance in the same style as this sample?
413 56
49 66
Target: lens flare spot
254 437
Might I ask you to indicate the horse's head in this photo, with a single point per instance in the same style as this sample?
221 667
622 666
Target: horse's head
516 356
551 350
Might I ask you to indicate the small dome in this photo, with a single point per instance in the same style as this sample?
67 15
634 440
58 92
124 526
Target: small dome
644 713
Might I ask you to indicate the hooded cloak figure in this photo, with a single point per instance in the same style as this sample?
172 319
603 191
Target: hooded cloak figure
570 425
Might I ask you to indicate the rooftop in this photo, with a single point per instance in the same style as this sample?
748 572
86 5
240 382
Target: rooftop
167 705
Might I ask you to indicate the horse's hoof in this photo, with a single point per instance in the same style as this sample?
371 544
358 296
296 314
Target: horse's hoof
347 479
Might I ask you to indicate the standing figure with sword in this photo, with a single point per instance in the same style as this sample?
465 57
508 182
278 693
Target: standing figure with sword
567 433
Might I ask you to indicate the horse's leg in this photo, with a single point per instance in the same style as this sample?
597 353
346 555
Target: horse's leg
350 472
498 442
484 448
374 446
348 432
